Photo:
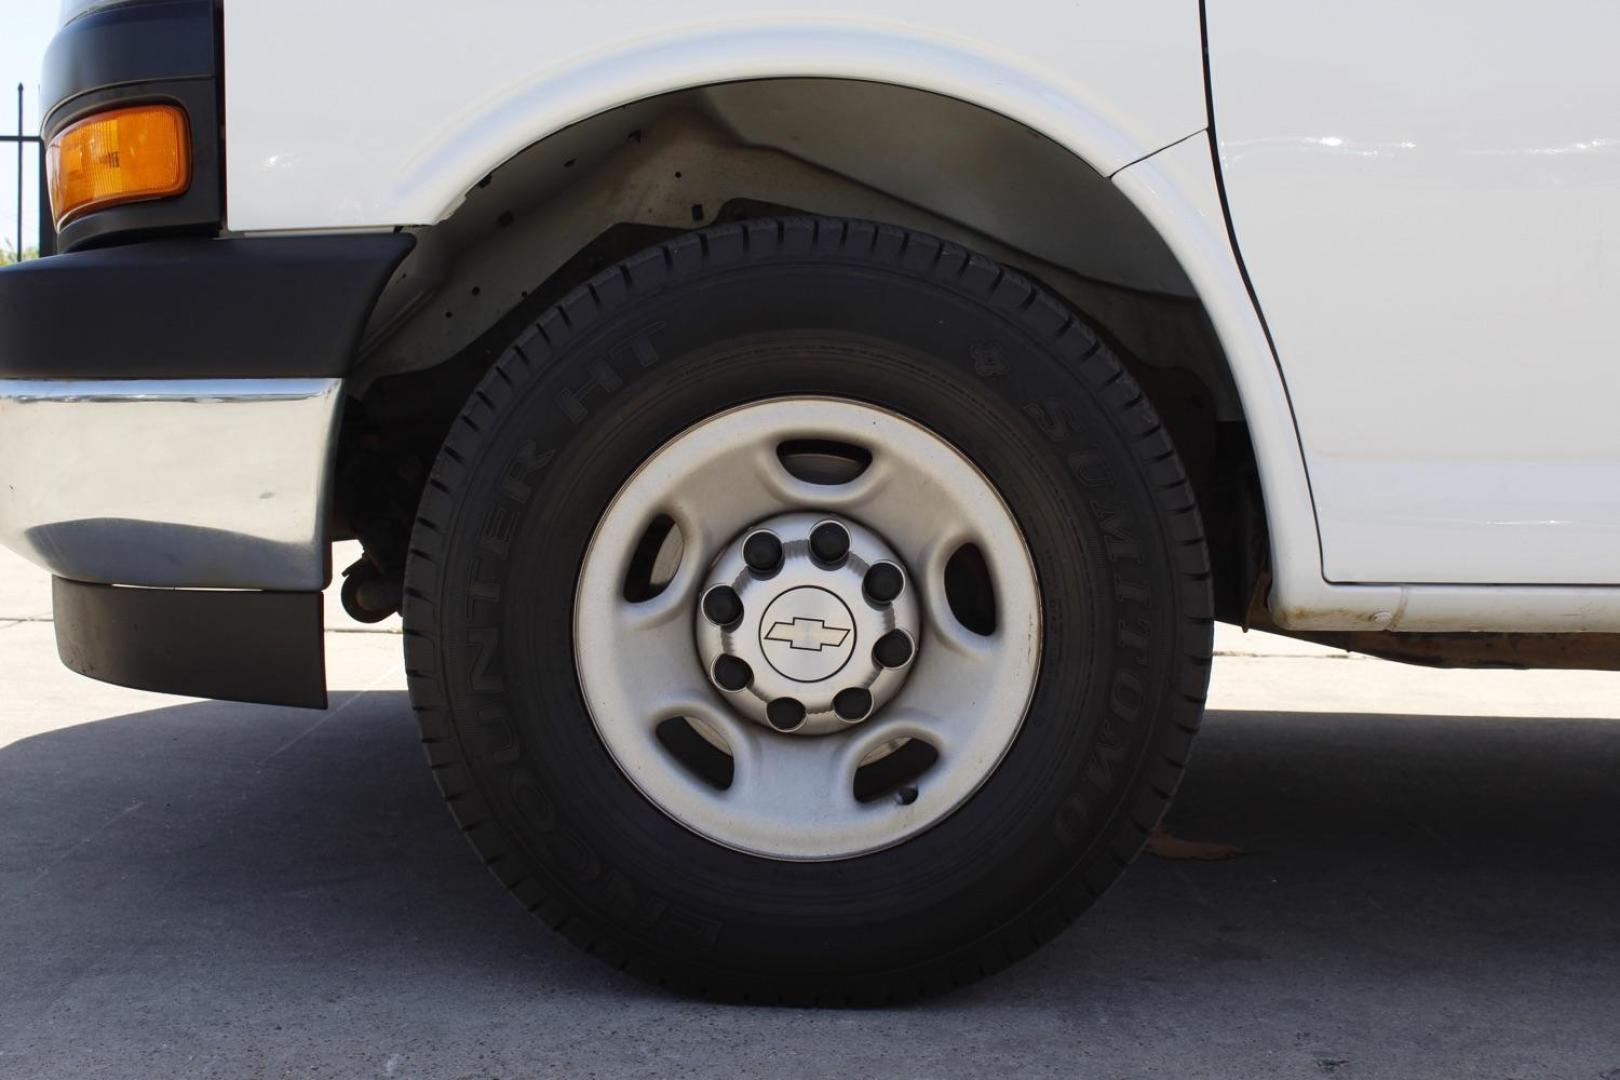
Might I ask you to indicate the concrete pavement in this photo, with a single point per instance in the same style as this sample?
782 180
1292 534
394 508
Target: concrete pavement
195 889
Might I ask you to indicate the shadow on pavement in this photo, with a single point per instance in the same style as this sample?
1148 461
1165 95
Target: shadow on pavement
195 887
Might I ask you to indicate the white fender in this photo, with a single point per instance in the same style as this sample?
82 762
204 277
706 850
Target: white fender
348 115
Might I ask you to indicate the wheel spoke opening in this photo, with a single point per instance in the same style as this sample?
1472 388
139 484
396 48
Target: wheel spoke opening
699 749
655 560
894 770
827 462
970 591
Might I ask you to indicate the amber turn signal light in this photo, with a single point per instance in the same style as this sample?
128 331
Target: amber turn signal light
141 152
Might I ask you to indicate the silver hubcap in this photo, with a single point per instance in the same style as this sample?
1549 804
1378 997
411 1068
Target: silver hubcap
802 630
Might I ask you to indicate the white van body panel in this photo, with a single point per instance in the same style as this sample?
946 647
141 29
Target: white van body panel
1427 199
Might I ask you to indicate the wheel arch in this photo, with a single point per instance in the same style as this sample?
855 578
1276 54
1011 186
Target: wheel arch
1045 176
1106 131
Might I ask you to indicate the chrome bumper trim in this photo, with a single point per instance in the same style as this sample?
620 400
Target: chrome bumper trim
201 483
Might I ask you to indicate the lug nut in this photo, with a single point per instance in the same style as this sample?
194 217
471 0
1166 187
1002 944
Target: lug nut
785 714
732 673
829 542
853 704
883 582
892 649
762 552
722 606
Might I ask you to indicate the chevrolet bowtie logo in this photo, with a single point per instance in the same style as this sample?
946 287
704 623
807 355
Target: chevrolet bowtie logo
810 634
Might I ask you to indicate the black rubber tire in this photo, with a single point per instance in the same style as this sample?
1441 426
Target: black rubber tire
814 306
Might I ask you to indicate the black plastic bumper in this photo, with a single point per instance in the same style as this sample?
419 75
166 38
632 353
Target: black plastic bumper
195 309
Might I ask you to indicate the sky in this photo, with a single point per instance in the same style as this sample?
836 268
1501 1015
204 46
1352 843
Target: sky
26 27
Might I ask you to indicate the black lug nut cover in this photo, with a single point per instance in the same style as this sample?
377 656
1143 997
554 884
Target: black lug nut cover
853 703
829 542
892 649
884 582
722 605
785 713
732 673
762 552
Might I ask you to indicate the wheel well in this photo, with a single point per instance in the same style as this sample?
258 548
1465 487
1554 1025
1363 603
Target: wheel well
583 198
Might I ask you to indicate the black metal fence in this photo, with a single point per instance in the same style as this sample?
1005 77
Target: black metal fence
24 142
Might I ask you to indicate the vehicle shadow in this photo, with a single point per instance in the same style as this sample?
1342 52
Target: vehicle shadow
222 877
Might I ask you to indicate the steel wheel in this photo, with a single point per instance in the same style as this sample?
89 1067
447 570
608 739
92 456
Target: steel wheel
803 629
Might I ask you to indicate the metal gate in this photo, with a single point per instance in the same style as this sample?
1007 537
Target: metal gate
25 141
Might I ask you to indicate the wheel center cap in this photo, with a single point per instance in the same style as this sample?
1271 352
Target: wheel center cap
807 634
807 623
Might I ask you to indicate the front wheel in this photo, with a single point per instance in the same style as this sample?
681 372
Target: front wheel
808 610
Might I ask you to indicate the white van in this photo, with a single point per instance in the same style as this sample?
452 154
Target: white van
810 444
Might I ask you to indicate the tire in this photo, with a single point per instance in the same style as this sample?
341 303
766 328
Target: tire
745 319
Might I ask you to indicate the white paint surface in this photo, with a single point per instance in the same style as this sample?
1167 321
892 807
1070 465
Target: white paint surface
1426 198
341 117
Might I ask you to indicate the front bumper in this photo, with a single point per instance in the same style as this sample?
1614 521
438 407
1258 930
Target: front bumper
168 409
168 422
